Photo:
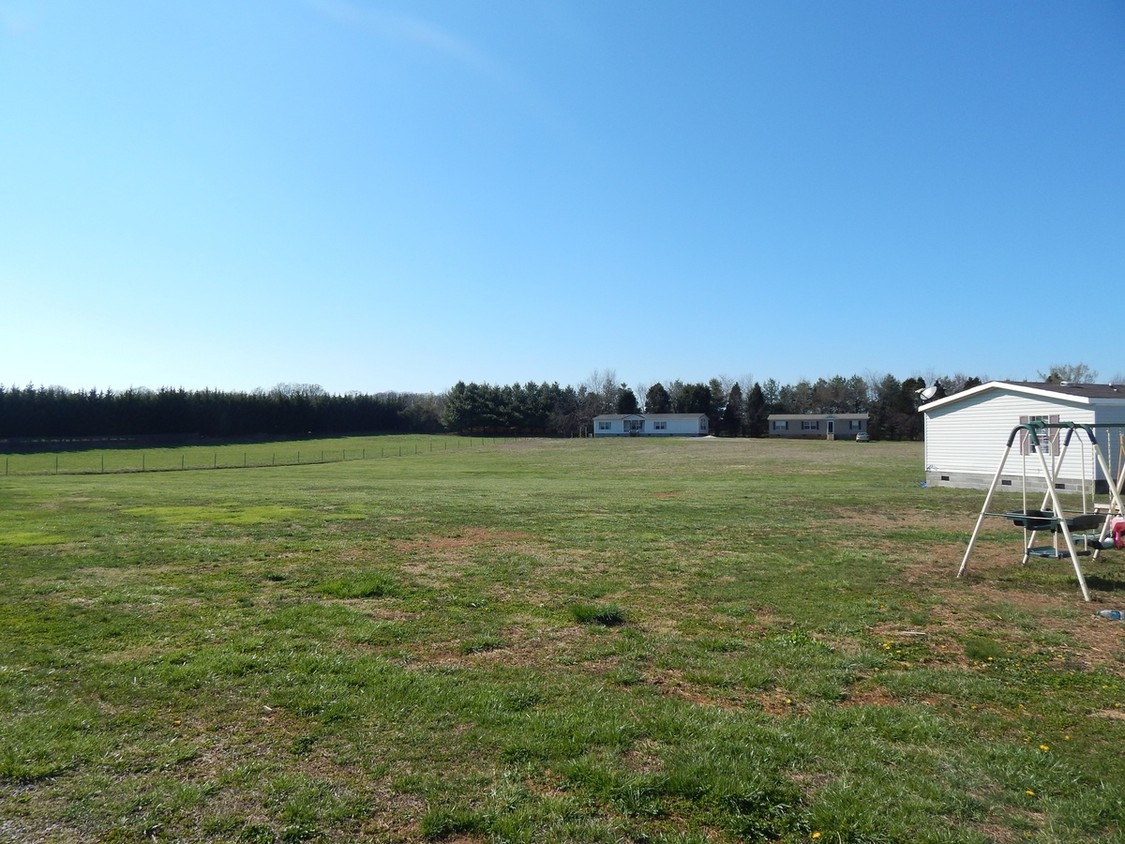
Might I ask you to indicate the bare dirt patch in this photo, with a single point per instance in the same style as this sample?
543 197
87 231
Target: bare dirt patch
425 554
532 644
1112 714
464 538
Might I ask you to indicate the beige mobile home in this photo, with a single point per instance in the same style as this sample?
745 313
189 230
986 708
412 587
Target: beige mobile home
820 426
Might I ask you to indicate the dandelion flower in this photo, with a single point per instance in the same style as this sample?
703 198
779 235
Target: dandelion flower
1029 793
1044 747
815 835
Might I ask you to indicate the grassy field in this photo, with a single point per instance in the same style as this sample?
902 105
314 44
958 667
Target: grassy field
548 641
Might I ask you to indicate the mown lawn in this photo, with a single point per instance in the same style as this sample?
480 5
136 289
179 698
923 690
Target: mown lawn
548 641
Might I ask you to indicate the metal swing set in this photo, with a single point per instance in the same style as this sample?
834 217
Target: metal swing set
1084 534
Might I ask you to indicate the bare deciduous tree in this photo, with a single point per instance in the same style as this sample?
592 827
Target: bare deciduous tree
1072 373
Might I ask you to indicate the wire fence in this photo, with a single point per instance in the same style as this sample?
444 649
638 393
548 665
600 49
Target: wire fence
198 458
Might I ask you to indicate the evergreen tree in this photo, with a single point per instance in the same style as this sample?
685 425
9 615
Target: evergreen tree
732 414
626 400
657 399
757 412
694 398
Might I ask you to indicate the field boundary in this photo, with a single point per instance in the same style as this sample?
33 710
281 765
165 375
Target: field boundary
120 461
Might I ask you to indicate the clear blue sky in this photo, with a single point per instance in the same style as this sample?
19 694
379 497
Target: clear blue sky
379 196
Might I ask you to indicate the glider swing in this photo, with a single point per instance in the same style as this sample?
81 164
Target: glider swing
1078 529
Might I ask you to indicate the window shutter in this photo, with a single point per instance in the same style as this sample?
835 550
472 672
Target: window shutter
1024 447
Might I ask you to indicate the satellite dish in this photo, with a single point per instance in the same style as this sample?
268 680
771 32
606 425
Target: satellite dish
929 392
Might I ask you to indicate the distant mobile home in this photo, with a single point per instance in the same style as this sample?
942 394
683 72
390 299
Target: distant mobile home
967 433
823 426
651 425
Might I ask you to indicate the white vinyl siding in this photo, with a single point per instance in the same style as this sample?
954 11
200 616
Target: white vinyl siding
656 424
969 437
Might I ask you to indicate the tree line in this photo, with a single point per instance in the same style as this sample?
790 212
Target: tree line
532 409
54 413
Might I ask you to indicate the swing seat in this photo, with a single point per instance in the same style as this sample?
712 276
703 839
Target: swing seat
1085 521
1047 520
1055 553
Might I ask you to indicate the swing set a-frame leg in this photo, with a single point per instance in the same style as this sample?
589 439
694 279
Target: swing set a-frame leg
1056 464
984 510
1064 527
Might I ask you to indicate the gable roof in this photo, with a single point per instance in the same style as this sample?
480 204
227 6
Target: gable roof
1070 393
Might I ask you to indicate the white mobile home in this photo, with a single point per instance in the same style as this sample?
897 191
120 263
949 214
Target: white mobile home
967 433
651 425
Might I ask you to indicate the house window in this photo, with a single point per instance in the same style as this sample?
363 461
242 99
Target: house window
810 425
855 424
659 425
605 426
780 425
1047 438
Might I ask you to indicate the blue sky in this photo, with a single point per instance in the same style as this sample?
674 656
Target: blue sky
378 196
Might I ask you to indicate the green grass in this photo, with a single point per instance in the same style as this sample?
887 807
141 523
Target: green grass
608 615
548 641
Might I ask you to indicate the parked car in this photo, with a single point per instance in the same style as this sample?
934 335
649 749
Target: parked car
863 437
